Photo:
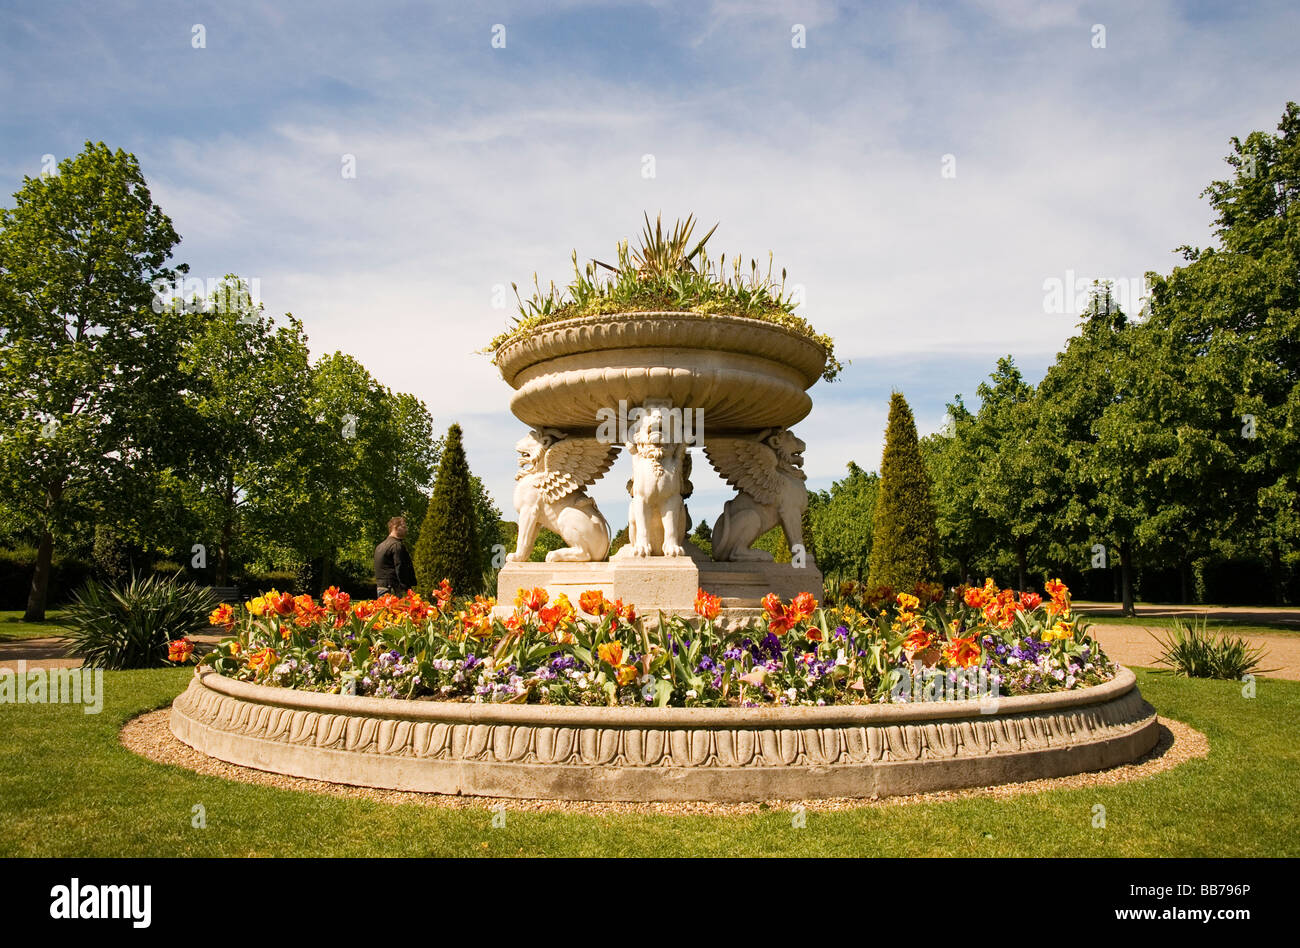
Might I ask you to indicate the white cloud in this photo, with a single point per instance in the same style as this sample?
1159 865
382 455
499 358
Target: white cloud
470 175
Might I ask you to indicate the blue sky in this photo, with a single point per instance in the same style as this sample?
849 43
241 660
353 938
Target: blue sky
478 166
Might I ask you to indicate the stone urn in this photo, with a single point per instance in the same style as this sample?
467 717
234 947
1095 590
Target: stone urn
743 374
657 385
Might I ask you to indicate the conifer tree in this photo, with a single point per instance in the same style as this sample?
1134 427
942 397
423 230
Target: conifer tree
448 547
904 547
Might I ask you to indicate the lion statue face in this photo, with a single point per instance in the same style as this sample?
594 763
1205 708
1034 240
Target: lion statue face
789 450
530 448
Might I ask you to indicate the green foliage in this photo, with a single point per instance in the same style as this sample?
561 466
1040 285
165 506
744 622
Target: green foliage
368 454
547 541
904 538
487 516
702 537
88 370
508 537
773 541
47 751
842 521
112 559
1192 651
17 565
988 476
1226 331
668 272
128 626
249 381
618 541
449 547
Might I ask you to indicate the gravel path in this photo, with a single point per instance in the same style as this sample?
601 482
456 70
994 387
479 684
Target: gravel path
47 652
1136 646
149 736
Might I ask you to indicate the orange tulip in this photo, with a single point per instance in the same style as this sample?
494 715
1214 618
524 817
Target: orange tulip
531 599
593 603
962 652
611 652
283 603
918 641
706 605
780 625
263 660
180 650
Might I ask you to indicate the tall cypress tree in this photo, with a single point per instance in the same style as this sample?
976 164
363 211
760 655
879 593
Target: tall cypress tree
448 547
904 546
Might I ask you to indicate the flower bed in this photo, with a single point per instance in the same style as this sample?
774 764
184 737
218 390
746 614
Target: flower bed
964 643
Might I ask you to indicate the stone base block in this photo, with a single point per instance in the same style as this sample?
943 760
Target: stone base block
661 583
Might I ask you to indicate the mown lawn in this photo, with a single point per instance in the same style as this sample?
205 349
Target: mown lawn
68 788
13 627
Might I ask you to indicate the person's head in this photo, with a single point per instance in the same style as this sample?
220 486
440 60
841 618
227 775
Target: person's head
397 527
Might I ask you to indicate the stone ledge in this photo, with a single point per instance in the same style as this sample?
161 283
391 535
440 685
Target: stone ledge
722 754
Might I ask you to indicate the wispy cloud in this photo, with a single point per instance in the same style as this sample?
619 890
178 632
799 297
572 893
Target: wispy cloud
477 166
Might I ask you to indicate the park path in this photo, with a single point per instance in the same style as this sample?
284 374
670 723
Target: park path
1283 615
50 652
1136 645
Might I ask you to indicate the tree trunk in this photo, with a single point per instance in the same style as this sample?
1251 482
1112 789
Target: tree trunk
227 529
40 579
1184 582
223 555
326 573
1126 578
1276 570
1021 569
39 592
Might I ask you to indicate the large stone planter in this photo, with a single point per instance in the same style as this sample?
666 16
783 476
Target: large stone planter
742 373
719 754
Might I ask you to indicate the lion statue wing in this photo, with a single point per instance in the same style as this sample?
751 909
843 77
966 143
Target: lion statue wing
748 465
571 464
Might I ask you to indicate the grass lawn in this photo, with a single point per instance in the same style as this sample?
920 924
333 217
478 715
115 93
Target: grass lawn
13 627
67 788
1234 626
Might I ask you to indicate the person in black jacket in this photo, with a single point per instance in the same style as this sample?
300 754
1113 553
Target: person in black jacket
394 571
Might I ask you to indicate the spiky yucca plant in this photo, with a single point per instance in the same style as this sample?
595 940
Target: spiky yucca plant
1191 650
667 271
117 626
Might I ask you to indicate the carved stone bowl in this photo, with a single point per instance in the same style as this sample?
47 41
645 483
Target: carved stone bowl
669 754
743 373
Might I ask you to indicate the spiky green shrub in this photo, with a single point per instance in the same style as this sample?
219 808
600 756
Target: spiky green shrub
905 542
116 626
1191 650
449 544
668 271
